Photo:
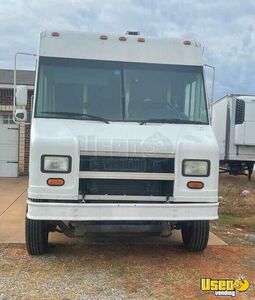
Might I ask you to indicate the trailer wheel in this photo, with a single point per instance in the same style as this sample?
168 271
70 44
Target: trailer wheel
195 235
36 237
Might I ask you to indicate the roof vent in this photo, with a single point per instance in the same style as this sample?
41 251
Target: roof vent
132 32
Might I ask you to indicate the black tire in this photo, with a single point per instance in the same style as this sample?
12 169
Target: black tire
195 235
36 237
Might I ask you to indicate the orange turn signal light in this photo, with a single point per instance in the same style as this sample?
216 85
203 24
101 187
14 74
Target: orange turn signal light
55 181
195 185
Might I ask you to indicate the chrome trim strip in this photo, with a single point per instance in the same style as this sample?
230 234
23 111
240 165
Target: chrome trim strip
126 175
127 198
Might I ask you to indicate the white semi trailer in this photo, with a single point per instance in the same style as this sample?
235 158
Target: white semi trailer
120 135
233 121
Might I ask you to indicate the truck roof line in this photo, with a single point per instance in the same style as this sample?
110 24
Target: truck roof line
233 95
114 47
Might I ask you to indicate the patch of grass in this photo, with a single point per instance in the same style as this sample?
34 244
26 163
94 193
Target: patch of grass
233 221
231 203
226 219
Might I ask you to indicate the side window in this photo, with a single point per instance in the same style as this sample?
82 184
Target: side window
195 104
190 100
240 111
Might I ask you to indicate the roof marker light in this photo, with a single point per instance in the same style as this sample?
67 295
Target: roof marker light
55 33
187 43
103 37
122 38
141 40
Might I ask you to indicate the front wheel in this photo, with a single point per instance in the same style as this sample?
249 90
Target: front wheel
195 235
36 236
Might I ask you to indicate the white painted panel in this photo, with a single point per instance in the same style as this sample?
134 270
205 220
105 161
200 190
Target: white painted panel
241 142
239 134
9 137
249 125
250 111
8 152
8 169
219 117
249 138
84 45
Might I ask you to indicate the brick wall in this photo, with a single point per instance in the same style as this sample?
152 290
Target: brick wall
21 148
27 143
27 135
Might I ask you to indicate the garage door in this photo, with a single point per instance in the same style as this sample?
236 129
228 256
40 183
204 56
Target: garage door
9 137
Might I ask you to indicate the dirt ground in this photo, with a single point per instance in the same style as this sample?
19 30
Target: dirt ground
236 224
121 271
125 269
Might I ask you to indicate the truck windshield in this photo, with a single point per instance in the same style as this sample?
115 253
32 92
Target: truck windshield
120 91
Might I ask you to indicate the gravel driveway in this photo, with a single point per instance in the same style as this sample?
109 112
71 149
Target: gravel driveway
120 271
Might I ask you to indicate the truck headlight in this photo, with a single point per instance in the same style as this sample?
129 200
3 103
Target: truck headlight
55 164
195 168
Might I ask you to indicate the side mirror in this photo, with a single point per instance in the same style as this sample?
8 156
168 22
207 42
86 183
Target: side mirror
21 115
21 95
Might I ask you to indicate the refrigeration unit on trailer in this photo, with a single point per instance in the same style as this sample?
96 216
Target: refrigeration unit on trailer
120 136
233 121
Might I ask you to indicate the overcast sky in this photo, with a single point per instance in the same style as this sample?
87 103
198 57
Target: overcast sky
226 28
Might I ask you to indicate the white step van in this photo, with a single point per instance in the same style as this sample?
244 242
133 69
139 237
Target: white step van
233 122
120 136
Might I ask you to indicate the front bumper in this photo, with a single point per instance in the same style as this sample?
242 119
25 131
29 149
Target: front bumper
122 211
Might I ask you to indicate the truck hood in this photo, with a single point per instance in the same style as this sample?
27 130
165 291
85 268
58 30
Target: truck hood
129 137
75 137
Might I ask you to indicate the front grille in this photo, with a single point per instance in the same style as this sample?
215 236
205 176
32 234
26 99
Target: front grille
126 187
126 164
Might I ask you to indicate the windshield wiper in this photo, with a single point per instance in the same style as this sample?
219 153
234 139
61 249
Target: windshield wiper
88 117
171 121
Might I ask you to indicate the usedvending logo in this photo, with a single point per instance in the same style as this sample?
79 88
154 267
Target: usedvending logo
224 287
